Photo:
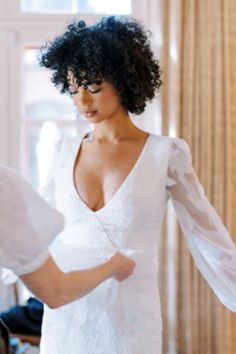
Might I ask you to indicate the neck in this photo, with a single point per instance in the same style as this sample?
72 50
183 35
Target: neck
115 129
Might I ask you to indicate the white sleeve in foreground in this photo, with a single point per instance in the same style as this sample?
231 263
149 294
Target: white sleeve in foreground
27 224
211 246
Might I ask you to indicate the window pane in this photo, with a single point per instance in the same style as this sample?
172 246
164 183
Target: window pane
77 6
114 7
47 6
41 99
48 117
40 142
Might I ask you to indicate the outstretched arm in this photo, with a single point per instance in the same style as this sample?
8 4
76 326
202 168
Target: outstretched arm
211 246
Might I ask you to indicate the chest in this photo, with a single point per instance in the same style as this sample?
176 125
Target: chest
101 169
139 196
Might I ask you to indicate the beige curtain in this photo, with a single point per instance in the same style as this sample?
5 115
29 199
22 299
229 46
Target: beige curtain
199 104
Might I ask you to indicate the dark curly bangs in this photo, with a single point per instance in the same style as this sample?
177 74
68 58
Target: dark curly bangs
116 49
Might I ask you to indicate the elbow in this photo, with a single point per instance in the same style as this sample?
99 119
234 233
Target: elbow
62 299
55 300
53 305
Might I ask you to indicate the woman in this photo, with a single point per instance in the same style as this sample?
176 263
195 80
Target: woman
115 182
27 227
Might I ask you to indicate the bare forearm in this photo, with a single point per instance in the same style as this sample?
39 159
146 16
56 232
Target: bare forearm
56 288
80 283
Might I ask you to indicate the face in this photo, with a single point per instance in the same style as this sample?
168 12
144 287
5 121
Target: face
96 100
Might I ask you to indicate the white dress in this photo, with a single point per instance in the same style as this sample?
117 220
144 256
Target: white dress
125 318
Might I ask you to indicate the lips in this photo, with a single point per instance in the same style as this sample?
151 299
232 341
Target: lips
90 113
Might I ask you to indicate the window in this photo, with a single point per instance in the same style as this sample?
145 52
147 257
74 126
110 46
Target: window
48 117
77 6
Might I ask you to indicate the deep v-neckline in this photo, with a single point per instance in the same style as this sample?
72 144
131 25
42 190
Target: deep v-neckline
121 186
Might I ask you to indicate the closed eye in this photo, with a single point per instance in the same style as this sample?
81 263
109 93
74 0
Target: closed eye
94 91
72 90
92 86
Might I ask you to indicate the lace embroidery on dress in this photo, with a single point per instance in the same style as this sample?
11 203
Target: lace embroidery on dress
210 244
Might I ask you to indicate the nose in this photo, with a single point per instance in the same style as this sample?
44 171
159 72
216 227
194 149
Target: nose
83 98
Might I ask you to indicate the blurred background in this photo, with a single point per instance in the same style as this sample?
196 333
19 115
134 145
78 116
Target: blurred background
195 41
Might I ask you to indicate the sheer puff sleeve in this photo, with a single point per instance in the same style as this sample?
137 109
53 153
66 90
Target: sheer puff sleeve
210 244
27 224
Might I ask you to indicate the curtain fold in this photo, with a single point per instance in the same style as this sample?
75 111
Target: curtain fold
199 105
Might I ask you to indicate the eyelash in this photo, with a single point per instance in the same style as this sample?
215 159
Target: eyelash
93 92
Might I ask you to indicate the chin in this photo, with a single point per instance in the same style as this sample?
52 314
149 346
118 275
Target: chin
95 119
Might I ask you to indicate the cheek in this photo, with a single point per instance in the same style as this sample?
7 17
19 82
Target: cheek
109 99
76 102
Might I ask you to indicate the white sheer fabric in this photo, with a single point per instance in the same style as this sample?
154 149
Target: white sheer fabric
27 224
126 318
208 240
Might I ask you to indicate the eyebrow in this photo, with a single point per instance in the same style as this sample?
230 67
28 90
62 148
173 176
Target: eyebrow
86 82
89 82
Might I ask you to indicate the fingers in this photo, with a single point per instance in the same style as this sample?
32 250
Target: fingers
122 265
121 278
125 274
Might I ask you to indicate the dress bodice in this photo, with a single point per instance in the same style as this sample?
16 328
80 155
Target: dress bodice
128 223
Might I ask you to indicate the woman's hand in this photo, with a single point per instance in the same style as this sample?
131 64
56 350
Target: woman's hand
122 266
56 288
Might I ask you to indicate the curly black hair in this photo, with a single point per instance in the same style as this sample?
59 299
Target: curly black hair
116 49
